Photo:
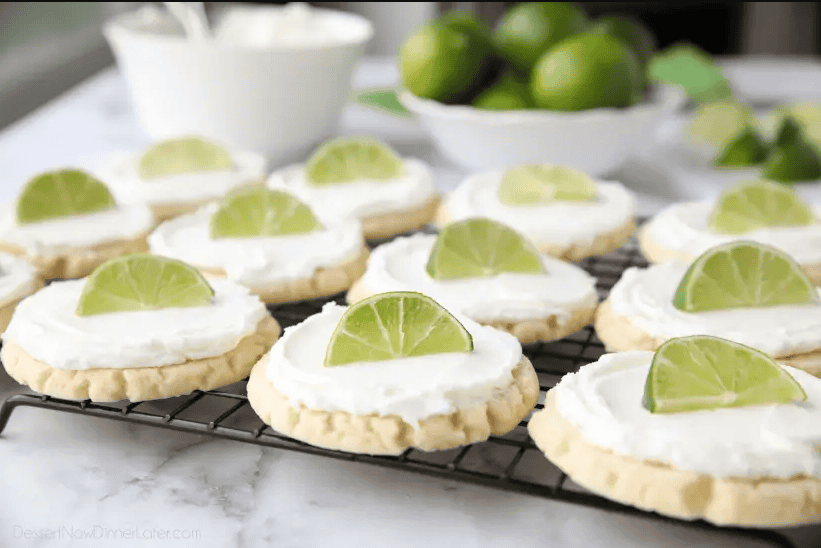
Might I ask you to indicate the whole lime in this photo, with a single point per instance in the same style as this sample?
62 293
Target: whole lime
586 71
467 22
528 30
633 33
507 93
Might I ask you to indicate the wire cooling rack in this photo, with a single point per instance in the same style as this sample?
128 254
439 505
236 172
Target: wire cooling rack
510 462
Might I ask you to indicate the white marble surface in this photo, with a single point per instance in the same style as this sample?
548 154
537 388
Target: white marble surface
71 481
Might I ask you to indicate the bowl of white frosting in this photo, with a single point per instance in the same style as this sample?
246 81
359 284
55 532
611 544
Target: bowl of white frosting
595 141
270 79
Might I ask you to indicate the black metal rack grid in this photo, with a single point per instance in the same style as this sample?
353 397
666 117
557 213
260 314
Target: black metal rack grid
510 462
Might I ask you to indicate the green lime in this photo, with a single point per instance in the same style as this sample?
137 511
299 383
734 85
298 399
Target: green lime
185 155
528 30
537 184
742 275
142 282
806 113
476 248
745 149
350 159
586 71
632 32
717 123
701 372
467 22
696 71
792 157
261 212
758 204
61 194
507 93
399 324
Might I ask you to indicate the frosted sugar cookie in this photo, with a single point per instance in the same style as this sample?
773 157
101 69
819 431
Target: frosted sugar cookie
489 273
391 372
179 176
756 210
562 211
365 179
703 429
743 291
140 327
269 241
18 279
66 223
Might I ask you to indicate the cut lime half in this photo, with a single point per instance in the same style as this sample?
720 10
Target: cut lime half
395 325
350 159
62 193
538 184
184 155
759 204
701 372
260 212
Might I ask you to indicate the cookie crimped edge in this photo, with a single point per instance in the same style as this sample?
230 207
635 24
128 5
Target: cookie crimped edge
392 223
574 252
619 334
530 330
141 383
324 282
389 434
659 487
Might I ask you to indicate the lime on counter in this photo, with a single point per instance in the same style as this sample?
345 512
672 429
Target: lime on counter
261 212
703 372
476 248
759 204
185 155
142 282
395 325
351 159
61 194
745 149
743 275
793 157
536 184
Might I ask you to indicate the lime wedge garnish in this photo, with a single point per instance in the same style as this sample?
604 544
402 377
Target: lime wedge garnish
395 325
758 204
352 159
793 157
261 212
719 122
62 194
185 155
702 372
475 248
536 184
806 113
142 282
743 275
747 148
693 69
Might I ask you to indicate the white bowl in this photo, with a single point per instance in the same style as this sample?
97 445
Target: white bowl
276 99
595 141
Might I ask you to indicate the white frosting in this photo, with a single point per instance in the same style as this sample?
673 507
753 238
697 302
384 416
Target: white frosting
18 278
645 296
604 402
399 265
257 261
123 222
46 327
684 228
123 178
558 223
360 198
412 388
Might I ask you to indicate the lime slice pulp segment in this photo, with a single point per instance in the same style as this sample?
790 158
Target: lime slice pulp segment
143 282
702 372
740 275
61 194
395 325
261 212
535 184
476 248
352 159
758 204
184 155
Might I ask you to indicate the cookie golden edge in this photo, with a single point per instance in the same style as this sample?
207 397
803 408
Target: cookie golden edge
531 330
7 308
141 383
389 434
394 223
601 244
659 487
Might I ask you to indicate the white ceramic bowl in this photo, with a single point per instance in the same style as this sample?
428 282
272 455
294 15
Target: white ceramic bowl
276 99
595 141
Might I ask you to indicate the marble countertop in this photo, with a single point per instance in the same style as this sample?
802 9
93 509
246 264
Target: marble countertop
72 481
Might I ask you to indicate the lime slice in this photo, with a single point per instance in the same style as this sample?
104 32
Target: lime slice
142 282
62 194
745 149
793 158
719 122
806 113
702 372
693 69
742 275
352 159
537 184
395 325
185 155
261 212
476 248
757 204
